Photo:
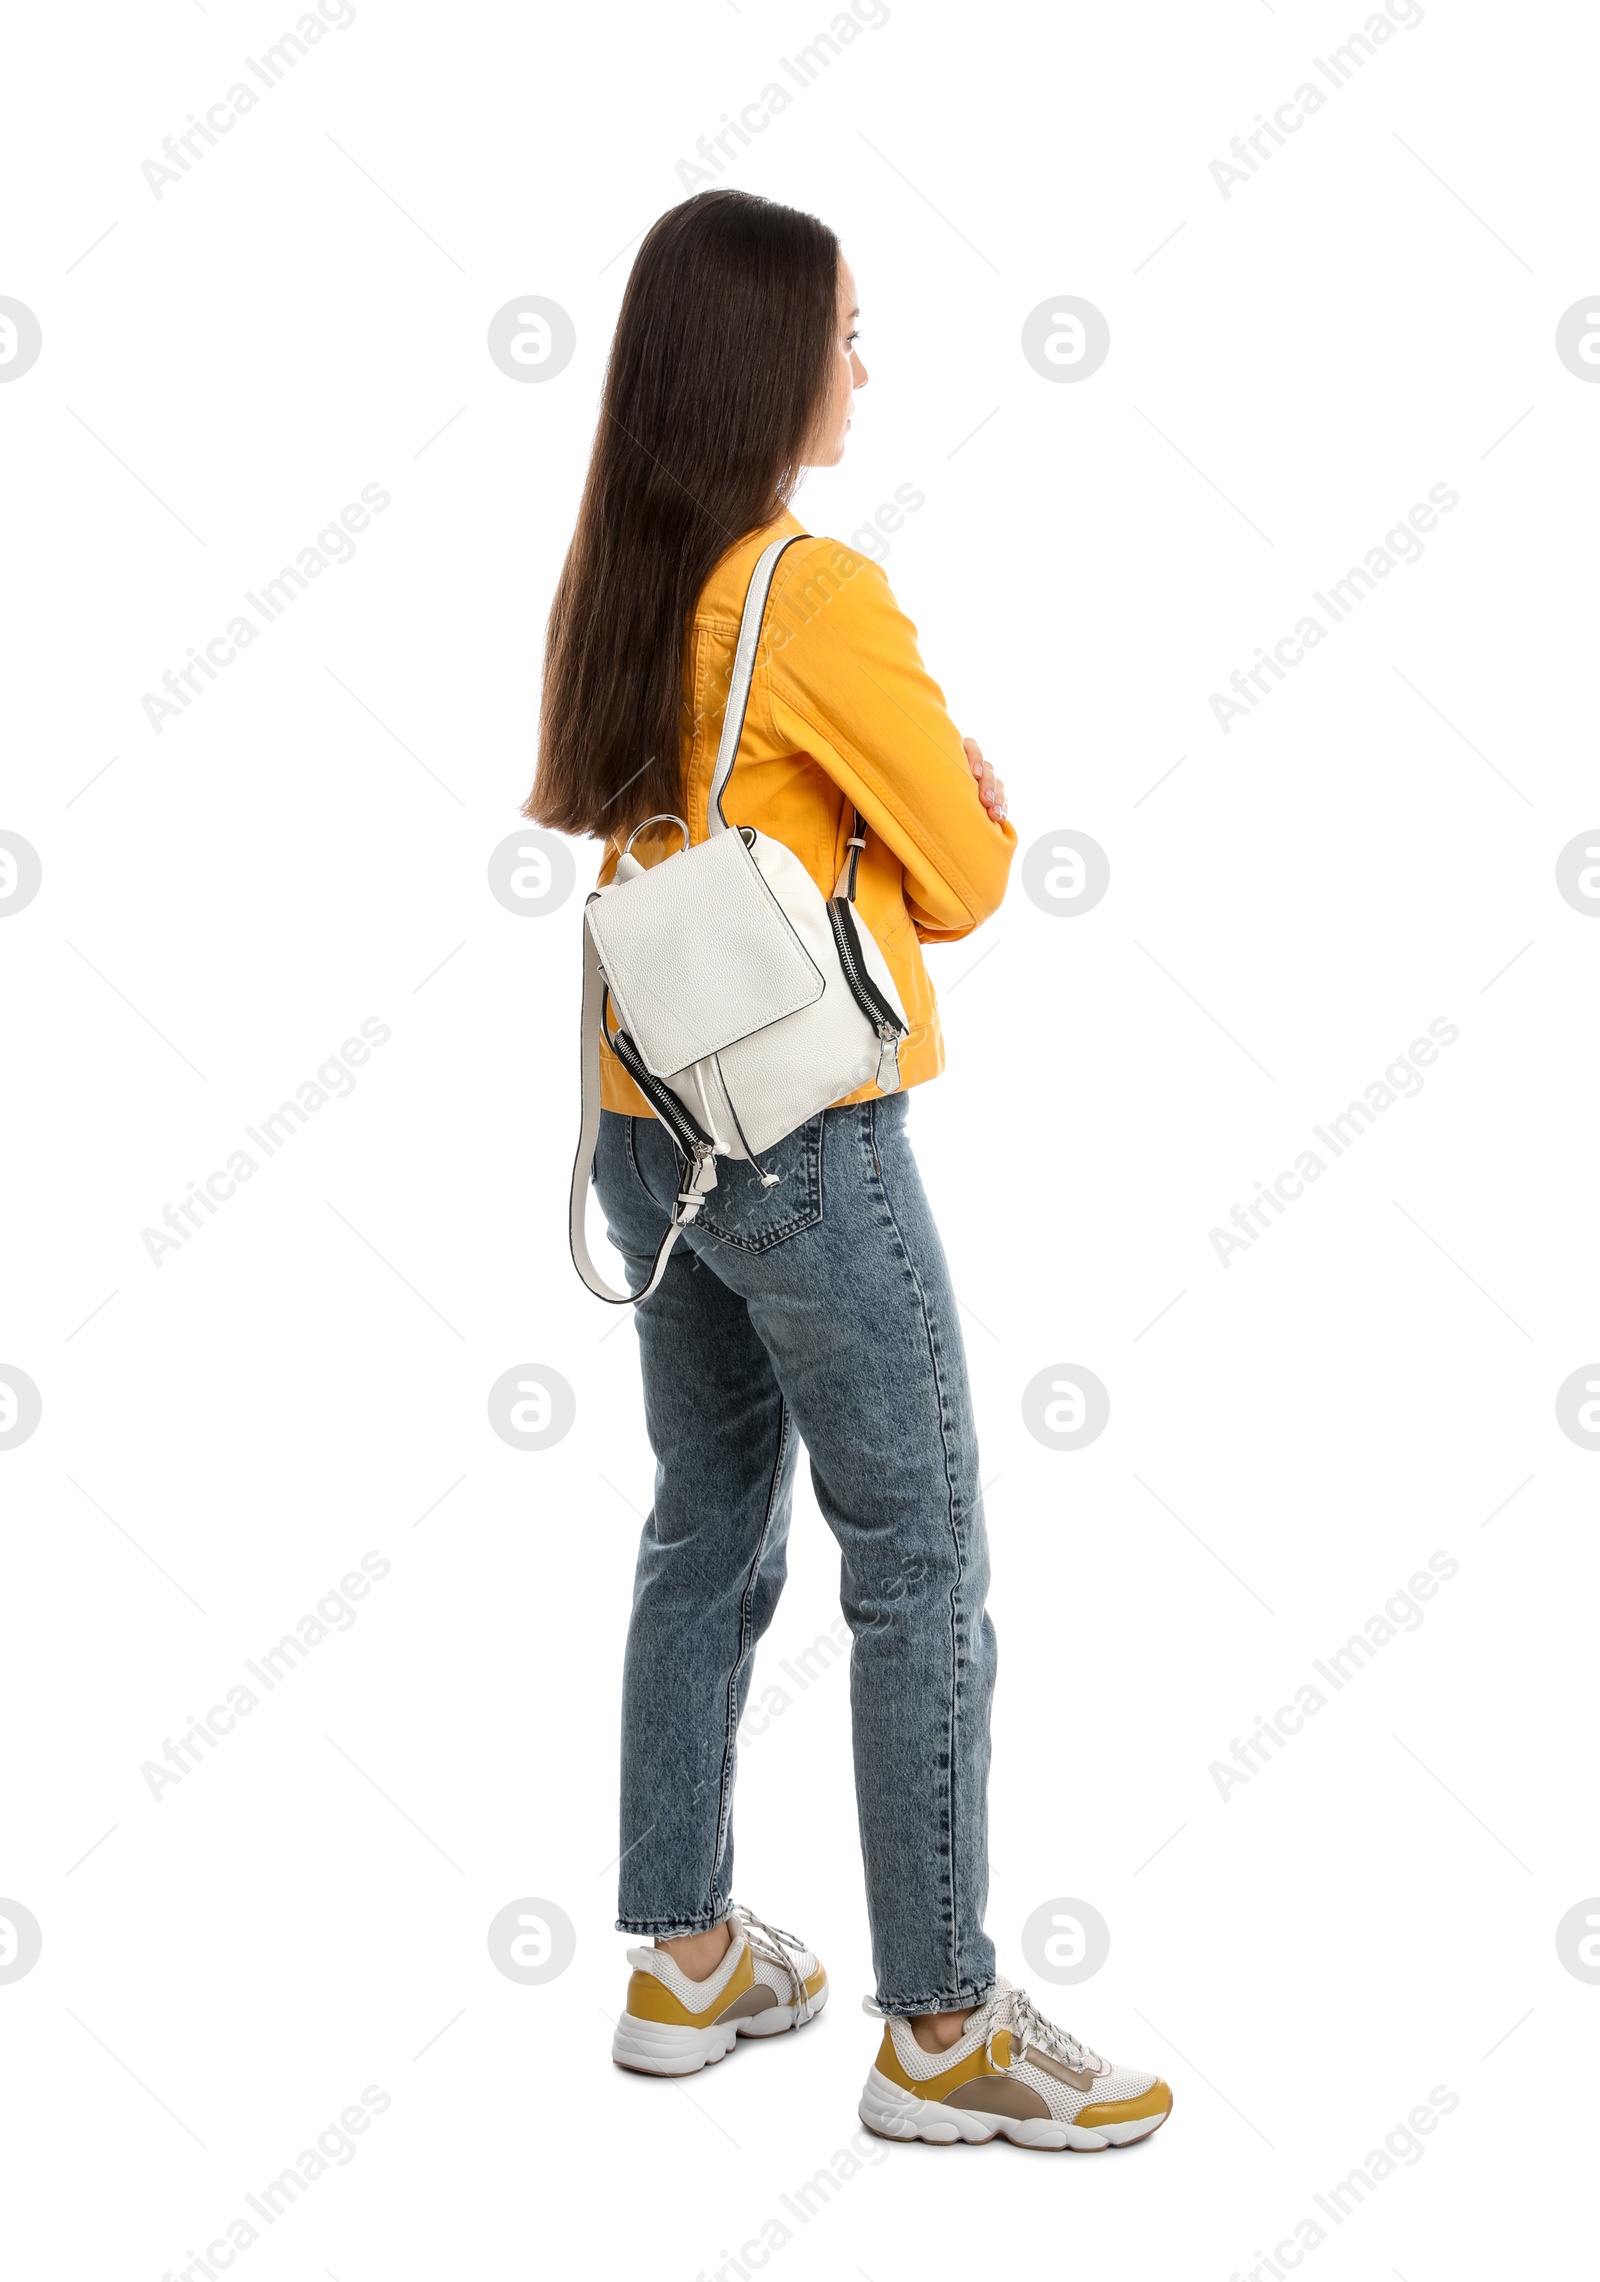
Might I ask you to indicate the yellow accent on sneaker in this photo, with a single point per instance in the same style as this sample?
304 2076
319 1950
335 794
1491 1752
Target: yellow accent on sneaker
1156 2102
960 2072
649 1999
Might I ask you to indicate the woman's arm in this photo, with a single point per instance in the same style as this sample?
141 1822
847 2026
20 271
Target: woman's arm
847 685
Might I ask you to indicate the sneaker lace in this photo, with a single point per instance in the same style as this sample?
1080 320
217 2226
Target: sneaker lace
1016 2011
778 1948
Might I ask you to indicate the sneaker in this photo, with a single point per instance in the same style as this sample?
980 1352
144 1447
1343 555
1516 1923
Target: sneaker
1012 2073
766 1981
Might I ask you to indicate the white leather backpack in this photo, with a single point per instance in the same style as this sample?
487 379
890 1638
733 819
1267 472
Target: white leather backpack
746 1000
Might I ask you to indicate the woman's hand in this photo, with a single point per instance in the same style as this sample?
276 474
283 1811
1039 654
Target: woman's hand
990 790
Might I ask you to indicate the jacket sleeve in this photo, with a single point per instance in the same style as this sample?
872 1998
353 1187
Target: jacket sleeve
848 687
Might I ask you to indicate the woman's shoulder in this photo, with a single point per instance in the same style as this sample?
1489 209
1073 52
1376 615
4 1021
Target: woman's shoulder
814 570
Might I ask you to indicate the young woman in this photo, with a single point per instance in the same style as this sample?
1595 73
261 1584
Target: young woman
819 1308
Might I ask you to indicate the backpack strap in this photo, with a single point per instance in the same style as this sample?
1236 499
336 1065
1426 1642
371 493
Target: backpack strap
845 884
744 659
701 1171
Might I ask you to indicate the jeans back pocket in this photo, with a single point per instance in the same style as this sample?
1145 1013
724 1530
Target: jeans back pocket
741 1210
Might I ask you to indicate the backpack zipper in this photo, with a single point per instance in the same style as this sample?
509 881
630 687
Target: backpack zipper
889 1027
661 1098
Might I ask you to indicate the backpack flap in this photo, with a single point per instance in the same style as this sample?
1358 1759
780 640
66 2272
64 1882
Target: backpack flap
698 952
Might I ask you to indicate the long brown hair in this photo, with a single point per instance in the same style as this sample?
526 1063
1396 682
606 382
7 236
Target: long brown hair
717 374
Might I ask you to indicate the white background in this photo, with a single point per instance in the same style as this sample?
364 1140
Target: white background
1291 1435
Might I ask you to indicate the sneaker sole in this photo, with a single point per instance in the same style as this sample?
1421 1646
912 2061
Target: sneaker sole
891 2112
664 2048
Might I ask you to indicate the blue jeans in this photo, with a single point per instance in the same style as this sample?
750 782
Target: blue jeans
822 1309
